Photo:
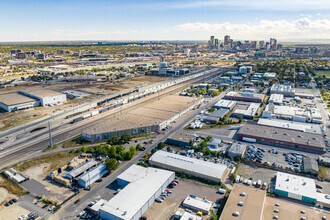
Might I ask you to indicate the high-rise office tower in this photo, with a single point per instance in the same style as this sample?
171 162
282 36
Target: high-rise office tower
216 42
253 44
226 40
212 40
261 44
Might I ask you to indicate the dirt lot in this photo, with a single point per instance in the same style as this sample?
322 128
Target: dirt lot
256 173
172 203
12 212
11 119
290 210
5 196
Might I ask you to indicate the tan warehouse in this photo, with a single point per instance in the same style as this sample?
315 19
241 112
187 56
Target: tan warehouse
151 117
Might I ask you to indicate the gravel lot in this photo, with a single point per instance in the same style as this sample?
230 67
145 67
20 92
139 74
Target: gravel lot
172 203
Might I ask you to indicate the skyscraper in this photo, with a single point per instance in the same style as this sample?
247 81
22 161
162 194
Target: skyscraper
261 44
226 40
216 42
212 40
253 44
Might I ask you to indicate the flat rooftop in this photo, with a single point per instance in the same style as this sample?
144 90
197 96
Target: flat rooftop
198 203
246 95
42 92
80 169
190 164
291 210
182 137
253 203
225 103
291 125
14 98
295 184
281 134
153 113
144 182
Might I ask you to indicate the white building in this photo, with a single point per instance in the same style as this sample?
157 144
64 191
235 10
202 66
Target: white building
14 101
227 104
190 166
249 113
197 204
286 90
277 99
141 187
91 176
46 97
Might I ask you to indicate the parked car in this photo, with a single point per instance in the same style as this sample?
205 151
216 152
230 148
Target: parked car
99 180
77 201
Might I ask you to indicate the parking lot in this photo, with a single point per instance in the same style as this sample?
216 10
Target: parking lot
172 202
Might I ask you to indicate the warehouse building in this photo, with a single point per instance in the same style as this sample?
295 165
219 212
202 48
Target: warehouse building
245 202
248 113
295 187
227 104
11 102
310 166
245 97
237 150
291 125
285 90
277 99
91 176
79 170
324 161
46 97
283 137
141 187
215 116
151 117
197 204
181 139
190 166
84 78
292 113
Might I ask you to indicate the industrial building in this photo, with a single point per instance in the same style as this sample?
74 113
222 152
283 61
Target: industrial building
295 187
310 166
283 137
248 113
79 170
11 102
92 175
324 161
246 97
15 176
285 90
151 117
237 150
245 202
46 97
292 113
197 204
190 166
227 104
268 75
84 78
214 144
277 99
181 139
141 186
214 117
291 125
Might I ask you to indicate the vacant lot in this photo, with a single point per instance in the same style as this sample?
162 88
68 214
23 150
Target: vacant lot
11 187
54 161
323 73
265 175
12 212
172 203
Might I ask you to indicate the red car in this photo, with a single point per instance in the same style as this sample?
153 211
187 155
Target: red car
78 200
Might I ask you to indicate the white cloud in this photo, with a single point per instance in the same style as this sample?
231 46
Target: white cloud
301 28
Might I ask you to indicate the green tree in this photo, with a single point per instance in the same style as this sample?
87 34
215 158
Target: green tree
83 149
161 145
111 164
215 93
125 138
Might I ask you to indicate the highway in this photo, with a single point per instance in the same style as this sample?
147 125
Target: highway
26 147
103 189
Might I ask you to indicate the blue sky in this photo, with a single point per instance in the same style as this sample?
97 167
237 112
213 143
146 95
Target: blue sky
49 20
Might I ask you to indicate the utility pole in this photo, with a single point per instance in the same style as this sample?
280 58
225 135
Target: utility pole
50 135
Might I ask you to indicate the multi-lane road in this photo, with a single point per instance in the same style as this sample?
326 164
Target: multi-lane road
32 144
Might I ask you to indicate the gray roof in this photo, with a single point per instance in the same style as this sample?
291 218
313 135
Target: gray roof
280 134
237 148
310 164
14 98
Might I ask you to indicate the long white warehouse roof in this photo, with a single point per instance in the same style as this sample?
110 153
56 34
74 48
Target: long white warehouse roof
144 183
190 164
80 169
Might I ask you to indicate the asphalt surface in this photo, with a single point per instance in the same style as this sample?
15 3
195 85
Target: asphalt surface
32 146
71 210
